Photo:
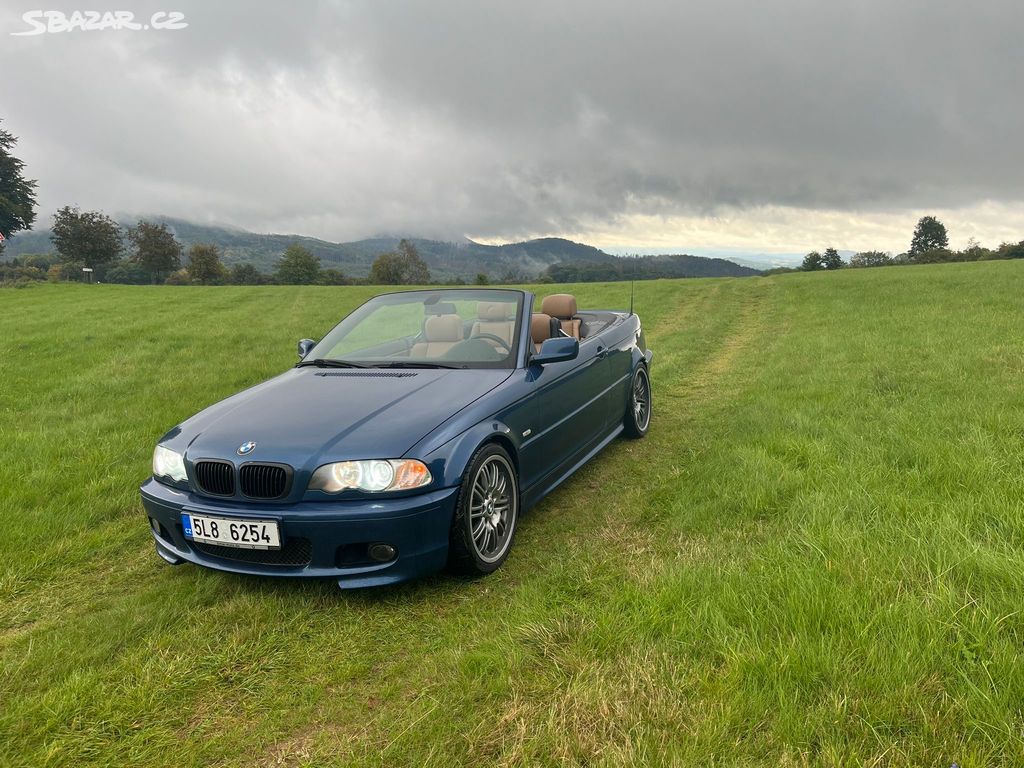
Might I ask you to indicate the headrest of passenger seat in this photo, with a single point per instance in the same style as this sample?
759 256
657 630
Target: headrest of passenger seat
444 328
560 305
495 310
540 327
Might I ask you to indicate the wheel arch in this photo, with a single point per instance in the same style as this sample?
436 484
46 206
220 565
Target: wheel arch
456 454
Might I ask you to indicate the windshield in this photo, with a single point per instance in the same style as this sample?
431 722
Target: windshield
458 328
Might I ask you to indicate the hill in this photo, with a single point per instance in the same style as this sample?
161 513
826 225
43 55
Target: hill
814 558
446 259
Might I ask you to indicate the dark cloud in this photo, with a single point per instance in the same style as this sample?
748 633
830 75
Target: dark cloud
503 119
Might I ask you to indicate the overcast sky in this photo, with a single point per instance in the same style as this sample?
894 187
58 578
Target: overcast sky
693 126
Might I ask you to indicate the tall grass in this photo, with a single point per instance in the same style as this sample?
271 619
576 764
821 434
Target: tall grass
815 557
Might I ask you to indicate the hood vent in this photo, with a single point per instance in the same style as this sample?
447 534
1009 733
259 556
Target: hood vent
369 374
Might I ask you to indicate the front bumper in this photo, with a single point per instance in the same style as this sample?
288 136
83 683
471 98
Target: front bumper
333 536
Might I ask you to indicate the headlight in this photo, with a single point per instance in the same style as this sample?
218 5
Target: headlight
169 464
374 475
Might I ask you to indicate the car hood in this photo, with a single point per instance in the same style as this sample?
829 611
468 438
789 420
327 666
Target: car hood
308 416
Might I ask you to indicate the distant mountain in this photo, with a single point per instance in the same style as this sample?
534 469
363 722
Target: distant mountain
646 268
446 259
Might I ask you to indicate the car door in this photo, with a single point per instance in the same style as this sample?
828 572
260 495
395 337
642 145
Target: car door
570 408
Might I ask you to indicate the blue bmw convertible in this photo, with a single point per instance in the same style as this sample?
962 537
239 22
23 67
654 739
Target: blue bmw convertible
412 436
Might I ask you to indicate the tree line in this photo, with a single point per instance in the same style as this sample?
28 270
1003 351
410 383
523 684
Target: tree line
928 245
91 246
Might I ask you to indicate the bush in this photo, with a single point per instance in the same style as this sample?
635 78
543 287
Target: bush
126 273
332 277
68 271
933 256
871 259
246 274
41 261
1010 251
180 277
18 276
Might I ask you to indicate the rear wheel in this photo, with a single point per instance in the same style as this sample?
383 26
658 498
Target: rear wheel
486 513
638 412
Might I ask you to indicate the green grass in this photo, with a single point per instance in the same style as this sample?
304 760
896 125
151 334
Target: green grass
815 557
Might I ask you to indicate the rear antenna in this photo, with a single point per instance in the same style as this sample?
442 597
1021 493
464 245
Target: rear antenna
632 279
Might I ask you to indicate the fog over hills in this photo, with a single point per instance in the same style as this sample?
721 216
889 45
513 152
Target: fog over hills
465 258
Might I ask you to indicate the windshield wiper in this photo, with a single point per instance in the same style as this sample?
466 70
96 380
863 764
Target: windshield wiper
404 364
327 362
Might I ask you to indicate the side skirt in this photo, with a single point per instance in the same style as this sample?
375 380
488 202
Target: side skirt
532 496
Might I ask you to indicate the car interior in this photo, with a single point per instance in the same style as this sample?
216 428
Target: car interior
443 329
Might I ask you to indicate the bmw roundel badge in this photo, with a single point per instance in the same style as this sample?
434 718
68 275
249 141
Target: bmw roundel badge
246 448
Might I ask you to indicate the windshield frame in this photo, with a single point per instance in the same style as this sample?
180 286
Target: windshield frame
480 293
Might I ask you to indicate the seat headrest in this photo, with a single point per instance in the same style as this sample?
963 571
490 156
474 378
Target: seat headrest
495 310
540 327
560 305
443 328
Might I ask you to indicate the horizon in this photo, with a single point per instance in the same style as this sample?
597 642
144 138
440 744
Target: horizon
738 256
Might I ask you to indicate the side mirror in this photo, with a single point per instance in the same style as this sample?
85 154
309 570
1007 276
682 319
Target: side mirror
556 350
304 346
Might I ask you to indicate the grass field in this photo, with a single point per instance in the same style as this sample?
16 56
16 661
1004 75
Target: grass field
815 557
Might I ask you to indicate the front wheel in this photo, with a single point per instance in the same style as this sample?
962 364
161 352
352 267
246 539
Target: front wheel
638 411
486 513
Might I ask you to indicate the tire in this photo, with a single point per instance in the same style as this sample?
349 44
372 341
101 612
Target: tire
638 410
486 513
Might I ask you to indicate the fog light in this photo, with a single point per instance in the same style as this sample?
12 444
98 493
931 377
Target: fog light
382 552
154 525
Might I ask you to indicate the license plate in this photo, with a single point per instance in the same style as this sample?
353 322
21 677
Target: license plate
231 532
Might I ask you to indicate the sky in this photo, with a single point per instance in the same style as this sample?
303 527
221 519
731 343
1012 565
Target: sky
718 127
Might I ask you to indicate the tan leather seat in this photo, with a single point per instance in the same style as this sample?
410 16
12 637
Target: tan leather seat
442 332
563 306
541 328
496 318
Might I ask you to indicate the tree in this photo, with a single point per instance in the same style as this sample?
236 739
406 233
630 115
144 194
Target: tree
831 259
481 279
17 194
812 262
871 259
403 266
1011 251
386 269
156 249
245 274
89 238
929 235
204 264
974 251
297 266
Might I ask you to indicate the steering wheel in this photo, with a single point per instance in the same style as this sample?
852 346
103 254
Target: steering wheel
492 337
